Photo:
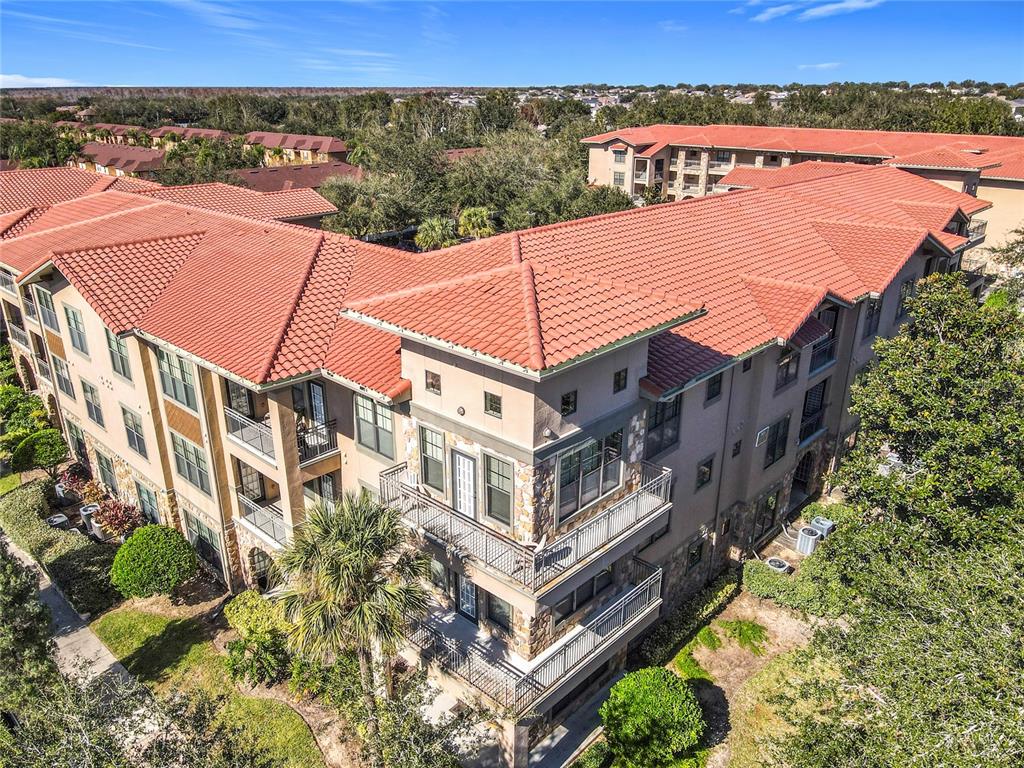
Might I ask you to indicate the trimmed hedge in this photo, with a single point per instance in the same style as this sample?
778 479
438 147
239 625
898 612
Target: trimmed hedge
154 560
78 565
678 626
250 612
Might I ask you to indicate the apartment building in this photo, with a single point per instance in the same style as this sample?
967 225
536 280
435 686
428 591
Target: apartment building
692 161
119 159
289 148
581 422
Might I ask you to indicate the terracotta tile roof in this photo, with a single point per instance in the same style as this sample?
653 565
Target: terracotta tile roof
191 133
117 129
281 177
124 157
296 141
37 187
263 300
919 150
288 204
762 178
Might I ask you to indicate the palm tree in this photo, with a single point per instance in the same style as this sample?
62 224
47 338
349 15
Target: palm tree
434 233
475 222
351 578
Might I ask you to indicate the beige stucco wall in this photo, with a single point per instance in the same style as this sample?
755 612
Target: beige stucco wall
1007 211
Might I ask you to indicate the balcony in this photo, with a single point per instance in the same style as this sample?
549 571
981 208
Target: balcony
253 434
976 231
19 335
316 440
43 367
720 165
823 353
812 424
7 282
49 318
265 518
513 683
640 176
531 567
30 309
692 163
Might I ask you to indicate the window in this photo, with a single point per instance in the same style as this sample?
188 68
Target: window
775 449
747 362
619 178
620 380
176 378
433 382
133 428
106 471
77 439
663 425
499 611
694 554
63 376
587 473
906 291
239 399
714 389
373 426
147 503
118 355
46 311
569 403
619 155
190 461
76 328
492 404
872 313
764 515
661 532
206 542
824 351
813 417
582 595
432 458
250 483
498 489
787 369
92 402
736 448
723 156
704 471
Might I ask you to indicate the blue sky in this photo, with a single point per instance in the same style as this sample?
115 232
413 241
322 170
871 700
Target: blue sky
370 43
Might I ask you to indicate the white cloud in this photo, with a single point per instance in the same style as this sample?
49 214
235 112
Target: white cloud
673 27
22 81
822 66
359 53
833 9
217 14
775 11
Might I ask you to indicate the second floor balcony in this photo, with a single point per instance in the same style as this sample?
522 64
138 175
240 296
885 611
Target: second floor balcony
30 309
316 440
517 685
534 567
266 518
7 282
19 335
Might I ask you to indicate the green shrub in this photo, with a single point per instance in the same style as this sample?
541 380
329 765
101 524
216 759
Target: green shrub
749 635
260 658
250 612
78 565
44 450
154 560
650 718
336 685
812 589
678 626
597 755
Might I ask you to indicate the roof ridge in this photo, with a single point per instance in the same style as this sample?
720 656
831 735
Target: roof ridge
91 219
123 243
619 285
450 282
534 339
272 357
775 281
23 211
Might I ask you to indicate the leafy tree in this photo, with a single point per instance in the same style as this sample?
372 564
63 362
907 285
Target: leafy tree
154 560
497 110
946 401
435 233
351 579
650 718
45 450
198 161
36 145
475 222
652 196
374 204
25 644
594 201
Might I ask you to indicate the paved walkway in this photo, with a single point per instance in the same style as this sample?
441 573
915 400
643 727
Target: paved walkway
78 648
579 729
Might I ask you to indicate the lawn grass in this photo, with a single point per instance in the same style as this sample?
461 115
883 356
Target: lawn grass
167 653
9 482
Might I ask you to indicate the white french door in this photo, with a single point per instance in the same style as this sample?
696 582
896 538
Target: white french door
317 404
464 484
467 597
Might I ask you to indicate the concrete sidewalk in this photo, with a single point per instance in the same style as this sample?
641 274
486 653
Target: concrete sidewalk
78 648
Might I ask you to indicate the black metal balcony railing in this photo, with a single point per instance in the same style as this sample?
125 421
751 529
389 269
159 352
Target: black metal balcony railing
43 367
49 318
823 353
518 692
267 517
316 440
976 230
531 567
257 436
811 424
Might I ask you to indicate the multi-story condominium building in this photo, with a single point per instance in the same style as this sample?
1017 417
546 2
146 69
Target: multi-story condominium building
119 159
691 161
288 148
582 422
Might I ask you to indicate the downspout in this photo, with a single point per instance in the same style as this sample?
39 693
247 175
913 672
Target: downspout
721 474
849 372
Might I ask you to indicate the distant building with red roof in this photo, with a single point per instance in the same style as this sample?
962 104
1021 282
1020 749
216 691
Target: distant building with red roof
282 177
290 148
